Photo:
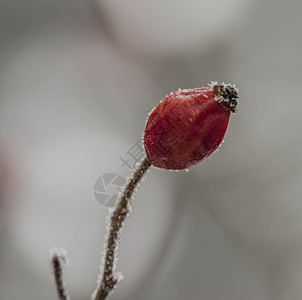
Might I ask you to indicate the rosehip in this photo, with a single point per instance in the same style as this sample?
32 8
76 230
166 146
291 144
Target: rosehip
189 125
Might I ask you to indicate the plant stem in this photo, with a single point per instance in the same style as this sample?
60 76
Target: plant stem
58 259
110 279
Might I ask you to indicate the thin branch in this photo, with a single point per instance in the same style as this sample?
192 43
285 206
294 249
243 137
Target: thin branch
58 260
110 278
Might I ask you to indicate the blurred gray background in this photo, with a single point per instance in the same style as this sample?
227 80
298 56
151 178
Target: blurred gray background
77 80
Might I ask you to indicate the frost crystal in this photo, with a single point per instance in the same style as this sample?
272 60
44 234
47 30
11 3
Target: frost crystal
61 254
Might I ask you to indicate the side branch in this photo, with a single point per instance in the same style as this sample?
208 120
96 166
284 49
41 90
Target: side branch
58 260
110 278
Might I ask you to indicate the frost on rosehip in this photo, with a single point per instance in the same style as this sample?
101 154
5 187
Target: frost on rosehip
189 125
227 95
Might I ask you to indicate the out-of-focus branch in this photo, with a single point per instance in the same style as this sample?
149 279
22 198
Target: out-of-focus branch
58 260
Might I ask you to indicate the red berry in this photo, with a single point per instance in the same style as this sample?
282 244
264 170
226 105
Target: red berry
189 125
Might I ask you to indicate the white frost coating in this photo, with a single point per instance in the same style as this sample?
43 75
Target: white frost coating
219 99
94 293
61 254
218 148
118 276
216 97
213 83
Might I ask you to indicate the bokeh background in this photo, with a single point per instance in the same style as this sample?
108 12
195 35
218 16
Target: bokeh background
77 80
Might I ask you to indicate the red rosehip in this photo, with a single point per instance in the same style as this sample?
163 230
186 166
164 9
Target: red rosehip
189 125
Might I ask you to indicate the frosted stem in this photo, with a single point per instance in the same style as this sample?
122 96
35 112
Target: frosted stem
109 278
58 260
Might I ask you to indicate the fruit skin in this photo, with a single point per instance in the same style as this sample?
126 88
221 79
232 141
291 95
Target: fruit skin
189 125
